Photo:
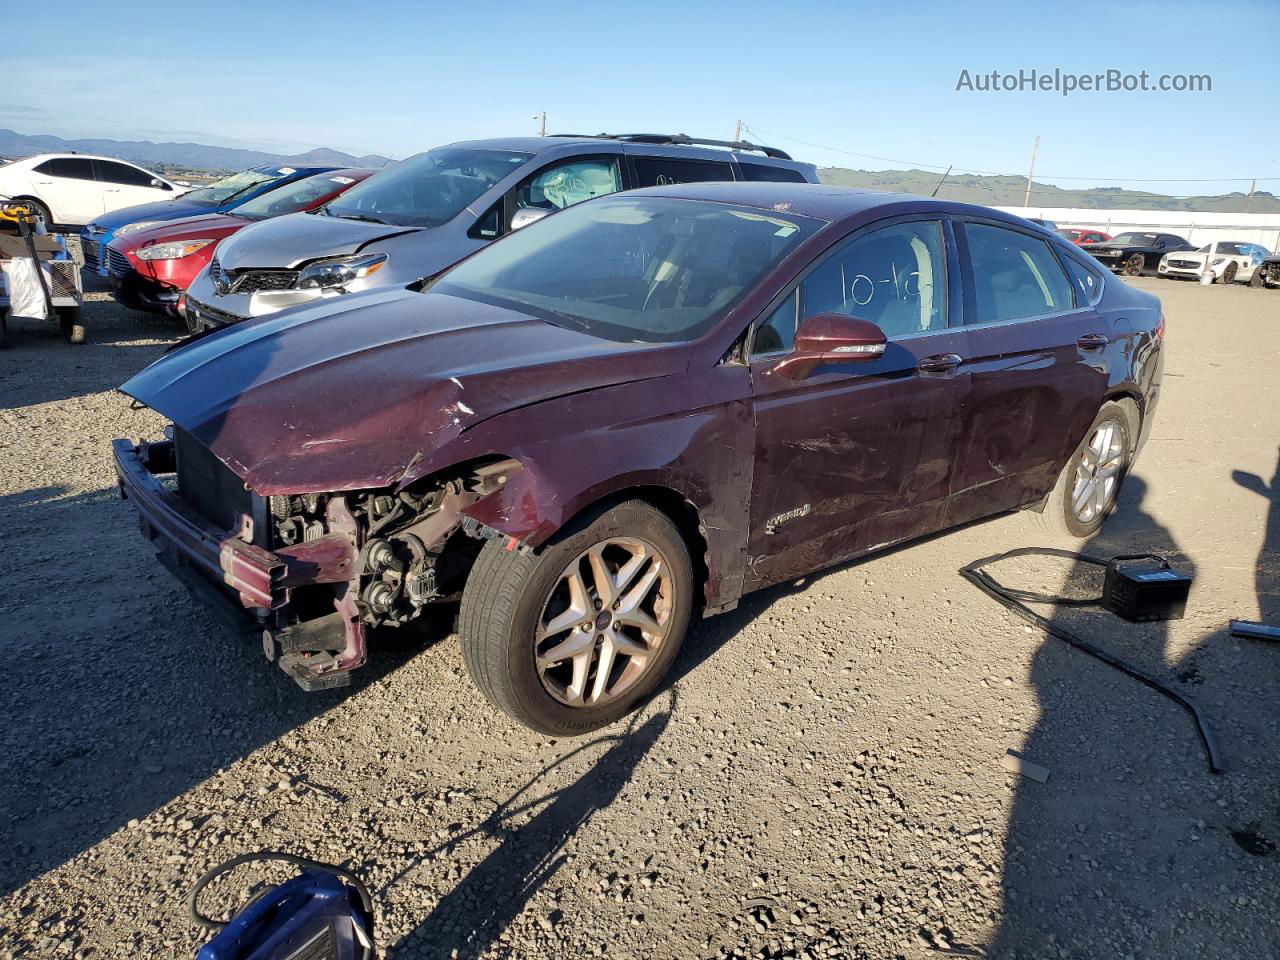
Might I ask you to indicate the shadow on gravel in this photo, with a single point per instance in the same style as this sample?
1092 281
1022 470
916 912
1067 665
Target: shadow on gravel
40 367
1267 571
473 915
1079 879
120 692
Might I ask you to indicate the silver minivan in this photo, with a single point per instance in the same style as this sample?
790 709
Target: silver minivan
421 216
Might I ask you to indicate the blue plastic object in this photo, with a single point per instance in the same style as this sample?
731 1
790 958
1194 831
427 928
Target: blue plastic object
314 916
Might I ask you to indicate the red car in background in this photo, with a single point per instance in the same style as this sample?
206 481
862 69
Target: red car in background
150 269
1079 235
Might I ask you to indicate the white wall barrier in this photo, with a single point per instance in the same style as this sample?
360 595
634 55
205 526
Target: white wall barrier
1198 228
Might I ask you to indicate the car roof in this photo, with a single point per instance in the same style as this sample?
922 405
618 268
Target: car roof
560 145
79 156
820 200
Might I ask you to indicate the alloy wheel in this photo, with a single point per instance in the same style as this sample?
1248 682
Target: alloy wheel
604 621
1098 471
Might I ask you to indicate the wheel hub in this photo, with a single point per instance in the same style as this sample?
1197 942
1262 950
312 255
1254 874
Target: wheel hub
603 622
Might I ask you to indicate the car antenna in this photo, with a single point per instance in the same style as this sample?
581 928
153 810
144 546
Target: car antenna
941 182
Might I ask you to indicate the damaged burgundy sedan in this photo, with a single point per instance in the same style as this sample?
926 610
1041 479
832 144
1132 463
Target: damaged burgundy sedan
649 404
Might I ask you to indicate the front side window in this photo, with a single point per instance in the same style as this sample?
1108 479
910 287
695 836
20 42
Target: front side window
111 172
564 184
664 171
429 189
647 269
72 168
894 276
1014 275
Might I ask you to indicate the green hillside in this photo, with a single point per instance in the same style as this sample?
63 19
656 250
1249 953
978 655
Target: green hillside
1009 191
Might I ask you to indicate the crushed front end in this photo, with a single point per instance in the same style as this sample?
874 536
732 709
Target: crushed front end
312 572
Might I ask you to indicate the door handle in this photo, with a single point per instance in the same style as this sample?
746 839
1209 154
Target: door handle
1092 341
940 363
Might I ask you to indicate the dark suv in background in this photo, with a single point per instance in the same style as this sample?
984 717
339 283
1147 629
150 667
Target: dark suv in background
413 220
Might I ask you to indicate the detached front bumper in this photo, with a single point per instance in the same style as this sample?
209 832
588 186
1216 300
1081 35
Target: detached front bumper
255 577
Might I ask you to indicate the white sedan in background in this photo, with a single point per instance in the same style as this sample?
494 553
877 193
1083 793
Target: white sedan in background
1232 261
71 189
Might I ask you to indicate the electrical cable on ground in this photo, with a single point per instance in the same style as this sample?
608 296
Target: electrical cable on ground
1013 599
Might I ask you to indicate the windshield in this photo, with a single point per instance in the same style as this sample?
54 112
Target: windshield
1142 239
650 269
292 197
220 191
1069 233
1225 247
429 189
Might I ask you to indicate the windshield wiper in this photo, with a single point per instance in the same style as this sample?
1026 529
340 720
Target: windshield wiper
358 216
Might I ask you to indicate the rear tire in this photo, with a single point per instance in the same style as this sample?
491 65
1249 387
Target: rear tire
514 600
1063 514
1255 280
41 210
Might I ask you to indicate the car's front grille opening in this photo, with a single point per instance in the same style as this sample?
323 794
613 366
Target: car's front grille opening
253 281
207 485
117 262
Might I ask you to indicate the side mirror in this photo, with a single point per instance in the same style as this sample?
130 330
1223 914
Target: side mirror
527 215
831 338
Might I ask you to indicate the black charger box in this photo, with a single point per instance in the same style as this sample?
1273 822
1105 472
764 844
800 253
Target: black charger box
1145 588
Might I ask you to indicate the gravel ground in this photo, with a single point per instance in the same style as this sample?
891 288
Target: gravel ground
821 778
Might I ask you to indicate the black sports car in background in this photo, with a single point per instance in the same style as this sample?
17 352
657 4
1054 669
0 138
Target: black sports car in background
1268 274
1136 253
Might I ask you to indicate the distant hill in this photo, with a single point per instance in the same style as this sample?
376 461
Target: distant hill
191 156
1009 191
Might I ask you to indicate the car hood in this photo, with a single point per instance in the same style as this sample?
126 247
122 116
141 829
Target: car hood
213 226
349 395
157 210
299 238
1111 245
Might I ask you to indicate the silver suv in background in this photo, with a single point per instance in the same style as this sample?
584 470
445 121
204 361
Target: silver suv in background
415 219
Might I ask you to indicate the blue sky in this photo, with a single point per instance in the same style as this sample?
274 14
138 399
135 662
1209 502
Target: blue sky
869 78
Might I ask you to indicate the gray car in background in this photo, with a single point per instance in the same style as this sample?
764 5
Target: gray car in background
415 219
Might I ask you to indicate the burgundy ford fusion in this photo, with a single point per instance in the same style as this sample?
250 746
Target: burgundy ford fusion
647 404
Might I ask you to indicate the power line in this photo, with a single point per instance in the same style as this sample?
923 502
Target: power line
997 173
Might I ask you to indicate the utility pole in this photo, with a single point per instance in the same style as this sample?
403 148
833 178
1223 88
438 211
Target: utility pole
737 132
1248 207
542 127
1026 199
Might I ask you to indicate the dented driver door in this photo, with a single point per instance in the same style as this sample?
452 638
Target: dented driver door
856 455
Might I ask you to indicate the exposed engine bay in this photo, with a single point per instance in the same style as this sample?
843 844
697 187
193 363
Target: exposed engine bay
316 570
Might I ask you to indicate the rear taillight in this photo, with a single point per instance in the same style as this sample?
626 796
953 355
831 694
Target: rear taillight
1160 326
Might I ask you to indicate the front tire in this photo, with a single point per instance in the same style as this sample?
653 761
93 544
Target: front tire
1088 487
1229 274
570 637
69 323
1133 266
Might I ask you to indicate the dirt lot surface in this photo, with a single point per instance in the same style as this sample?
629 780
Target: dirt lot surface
821 777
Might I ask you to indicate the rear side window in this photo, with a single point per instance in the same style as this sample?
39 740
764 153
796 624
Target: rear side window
1014 275
1087 283
111 172
663 171
73 168
759 171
